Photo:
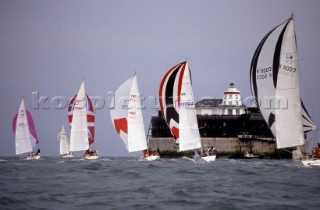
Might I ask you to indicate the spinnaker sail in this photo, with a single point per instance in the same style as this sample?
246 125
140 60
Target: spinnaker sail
25 133
178 107
126 115
275 85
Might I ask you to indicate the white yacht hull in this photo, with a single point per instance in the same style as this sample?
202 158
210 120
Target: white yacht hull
210 158
151 158
36 157
250 156
67 156
92 157
315 162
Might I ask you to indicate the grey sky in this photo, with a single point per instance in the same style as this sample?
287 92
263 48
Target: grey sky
49 46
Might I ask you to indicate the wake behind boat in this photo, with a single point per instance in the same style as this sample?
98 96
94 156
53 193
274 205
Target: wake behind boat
25 134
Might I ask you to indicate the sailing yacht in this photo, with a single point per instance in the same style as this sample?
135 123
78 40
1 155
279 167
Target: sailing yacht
81 119
25 134
275 85
64 144
178 108
127 119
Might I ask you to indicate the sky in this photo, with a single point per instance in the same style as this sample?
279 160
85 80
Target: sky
48 47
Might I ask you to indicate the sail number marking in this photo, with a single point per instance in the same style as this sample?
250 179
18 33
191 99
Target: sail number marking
264 73
288 68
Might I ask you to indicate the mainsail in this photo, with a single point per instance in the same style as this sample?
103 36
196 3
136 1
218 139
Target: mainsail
178 107
275 86
126 115
81 119
63 139
25 133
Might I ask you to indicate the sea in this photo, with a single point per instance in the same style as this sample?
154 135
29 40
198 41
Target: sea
180 183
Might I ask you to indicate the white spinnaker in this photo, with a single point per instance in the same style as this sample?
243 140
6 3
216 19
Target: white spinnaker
277 86
126 106
119 107
289 129
23 138
264 76
79 129
189 137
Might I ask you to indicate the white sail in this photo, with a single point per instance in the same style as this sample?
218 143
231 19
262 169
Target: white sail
63 139
126 115
289 129
79 129
136 132
189 131
22 134
275 84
